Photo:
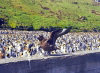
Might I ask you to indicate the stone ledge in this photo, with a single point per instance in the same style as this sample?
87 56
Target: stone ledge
37 57
79 62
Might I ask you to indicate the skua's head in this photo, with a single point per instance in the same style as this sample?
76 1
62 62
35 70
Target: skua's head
40 38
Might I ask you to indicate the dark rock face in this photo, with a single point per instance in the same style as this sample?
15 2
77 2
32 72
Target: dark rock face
2 21
49 29
89 63
74 2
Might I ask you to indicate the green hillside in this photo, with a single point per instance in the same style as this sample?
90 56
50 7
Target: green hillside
81 14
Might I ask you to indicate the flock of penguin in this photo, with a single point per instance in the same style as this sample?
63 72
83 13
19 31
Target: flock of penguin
24 43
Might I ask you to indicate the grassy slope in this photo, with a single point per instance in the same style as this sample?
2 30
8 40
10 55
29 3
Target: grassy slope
47 13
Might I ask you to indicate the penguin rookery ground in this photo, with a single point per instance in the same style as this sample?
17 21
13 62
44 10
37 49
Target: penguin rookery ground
81 14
